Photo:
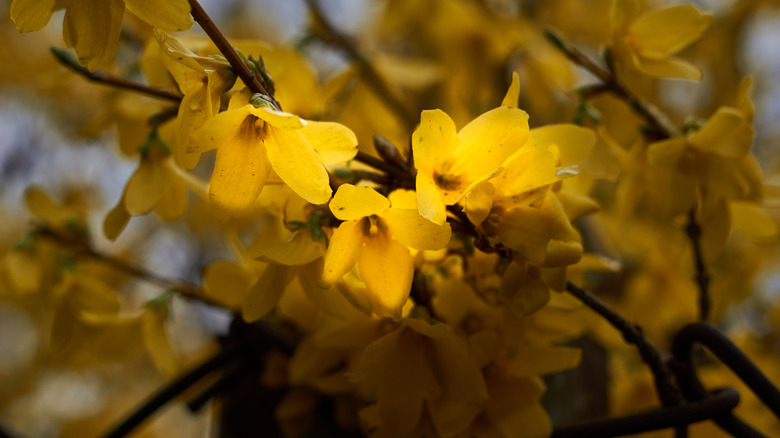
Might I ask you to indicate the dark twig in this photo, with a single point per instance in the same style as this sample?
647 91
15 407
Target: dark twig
725 350
659 128
659 125
178 386
82 248
693 231
720 402
227 50
68 60
668 393
330 35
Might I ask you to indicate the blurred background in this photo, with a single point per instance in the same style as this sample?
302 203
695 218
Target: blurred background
55 134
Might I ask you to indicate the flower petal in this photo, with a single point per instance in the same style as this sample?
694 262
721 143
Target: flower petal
411 229
334 142
343 252
513 93
147 185
661 33
264 295
386 267
297 164
487 141
31 15
91 28
434 140
429 200
728 133
170 15
352 203
573 142
240 171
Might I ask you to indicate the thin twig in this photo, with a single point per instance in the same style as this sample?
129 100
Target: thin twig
330 35
660 128
693 231
81 248
227 50
658 123
668 393
68 60
721 402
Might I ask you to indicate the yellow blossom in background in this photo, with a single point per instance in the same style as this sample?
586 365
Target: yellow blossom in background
647 41
92 27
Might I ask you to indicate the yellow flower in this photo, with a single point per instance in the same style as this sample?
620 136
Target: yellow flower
449 163
202 80
409 366
647 42
375 236
253 141
92 27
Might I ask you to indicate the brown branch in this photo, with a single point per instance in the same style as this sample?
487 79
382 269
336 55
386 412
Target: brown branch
81 248
227 50
330 35
693 231
68 60
659 124
668 392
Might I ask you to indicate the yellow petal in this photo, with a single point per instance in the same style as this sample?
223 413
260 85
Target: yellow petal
343 252
488 140
92 29
297 164
667 68
31 15
147 185
434 140
513 94
402 198
170 15
523 293
527 171
727 133
116 220
240 171
219 129
173 204
157 343
334 142
411 229
386 267
459 376
227 282
523 230
752 219
479 201
352 203
573 142
278 119
562 253
429 200
661 33
667 153
264 295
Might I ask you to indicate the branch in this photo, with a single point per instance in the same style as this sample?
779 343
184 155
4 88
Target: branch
227 50
658 123
81 248
330 35
693 231
68 60
721 402
668 393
